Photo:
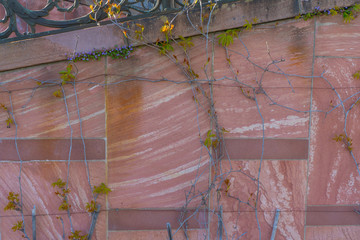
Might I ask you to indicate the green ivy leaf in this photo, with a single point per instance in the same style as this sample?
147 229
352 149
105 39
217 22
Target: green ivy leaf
356 7
225 40
101 189
186 42
348 16
76 235
18 226
357 75
248 25
59 183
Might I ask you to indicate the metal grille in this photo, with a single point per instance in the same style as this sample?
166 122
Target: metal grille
18 21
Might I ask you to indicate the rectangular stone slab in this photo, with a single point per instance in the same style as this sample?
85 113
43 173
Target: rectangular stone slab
133 219
51 149
250 148
332 215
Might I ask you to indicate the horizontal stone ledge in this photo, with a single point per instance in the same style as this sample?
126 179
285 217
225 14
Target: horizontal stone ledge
274 149
133 219
52 149
52 48
332 215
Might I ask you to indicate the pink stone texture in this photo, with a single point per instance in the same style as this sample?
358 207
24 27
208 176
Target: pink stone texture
37 190
334 37
332 232
41 115
332 215
290 42
332 171
281 187
155 234
145 128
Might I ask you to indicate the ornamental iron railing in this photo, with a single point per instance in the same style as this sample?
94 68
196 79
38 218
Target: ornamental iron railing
17 12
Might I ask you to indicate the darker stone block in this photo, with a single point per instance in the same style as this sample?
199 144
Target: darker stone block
273 148
228 15
309 5
153 219
332 215
52 149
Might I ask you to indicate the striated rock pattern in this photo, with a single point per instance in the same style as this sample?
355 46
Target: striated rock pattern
144 138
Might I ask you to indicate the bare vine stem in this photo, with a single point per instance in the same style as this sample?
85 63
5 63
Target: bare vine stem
202 91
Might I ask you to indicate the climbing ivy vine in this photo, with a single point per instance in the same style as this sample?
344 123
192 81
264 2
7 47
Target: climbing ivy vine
212 142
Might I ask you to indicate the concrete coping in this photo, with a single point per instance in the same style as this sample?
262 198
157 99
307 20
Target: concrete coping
227 15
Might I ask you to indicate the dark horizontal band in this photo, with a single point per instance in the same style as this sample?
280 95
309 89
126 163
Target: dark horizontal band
332 215
153 219
52 149
273 148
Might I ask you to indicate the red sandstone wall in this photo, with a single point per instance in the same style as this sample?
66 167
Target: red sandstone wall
142 139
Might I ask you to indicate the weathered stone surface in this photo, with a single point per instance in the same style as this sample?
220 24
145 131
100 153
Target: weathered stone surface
309 6
154 143
333 176
52 149
282 187
332 215
228 15
273 148
155 219
336 38
50 227
156 234
147 129
332 232
240 115
244 224
292 42
37 190
40 114
153 124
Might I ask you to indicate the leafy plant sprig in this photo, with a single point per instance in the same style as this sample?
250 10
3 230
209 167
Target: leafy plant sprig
102 189
66 76
19 226
14 202
186 43
227 38
76 235
9 119
210 140
164 47
62 193
346 140
356 75
91 207
139 33
249 25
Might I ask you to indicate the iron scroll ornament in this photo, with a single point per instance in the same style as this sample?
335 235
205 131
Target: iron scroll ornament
14 10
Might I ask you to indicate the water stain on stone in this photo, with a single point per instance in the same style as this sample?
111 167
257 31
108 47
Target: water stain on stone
298 46
124 106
